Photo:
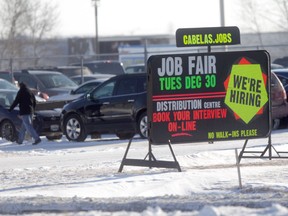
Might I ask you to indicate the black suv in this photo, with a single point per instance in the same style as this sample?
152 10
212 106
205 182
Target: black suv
116 106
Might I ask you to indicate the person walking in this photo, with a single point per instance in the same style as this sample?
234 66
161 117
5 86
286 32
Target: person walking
27 103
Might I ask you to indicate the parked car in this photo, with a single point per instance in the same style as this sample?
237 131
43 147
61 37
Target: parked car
48 82
279 102
136 68
116 106
80 90
78 79
46 122
104 67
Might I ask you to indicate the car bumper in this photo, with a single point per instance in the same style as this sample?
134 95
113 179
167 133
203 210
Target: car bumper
280 111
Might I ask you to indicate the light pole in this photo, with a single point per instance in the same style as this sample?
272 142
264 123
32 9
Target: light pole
222 16
97 50
222 13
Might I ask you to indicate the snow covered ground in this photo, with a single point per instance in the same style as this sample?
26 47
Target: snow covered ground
67 178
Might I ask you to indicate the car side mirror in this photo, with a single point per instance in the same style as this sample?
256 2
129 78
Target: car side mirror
89 96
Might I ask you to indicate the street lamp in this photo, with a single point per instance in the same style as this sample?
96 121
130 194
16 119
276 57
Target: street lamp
97 50
222 13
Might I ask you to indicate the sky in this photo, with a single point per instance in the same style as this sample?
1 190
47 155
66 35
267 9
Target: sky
69 178
139 17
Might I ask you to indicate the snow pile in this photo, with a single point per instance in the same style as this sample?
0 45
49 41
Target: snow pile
56 178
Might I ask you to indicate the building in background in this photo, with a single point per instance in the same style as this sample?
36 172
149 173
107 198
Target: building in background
134 49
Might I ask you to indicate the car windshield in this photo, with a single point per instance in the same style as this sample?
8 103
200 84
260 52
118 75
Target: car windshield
7 98
56 80
86 87
6 76
135 69
78 79
4 84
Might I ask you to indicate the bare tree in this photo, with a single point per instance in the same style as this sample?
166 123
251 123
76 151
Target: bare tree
26 26
40 23
252 11
268 15
260 16
12 25
282 6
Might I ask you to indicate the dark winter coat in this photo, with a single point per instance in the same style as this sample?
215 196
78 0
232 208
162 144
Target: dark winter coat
26 100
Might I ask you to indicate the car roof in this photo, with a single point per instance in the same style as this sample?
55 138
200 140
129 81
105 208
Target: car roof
71 67
136 65
282 70
276 66
103 61
8 90
123 76
130 75
40 72
95 80
94 75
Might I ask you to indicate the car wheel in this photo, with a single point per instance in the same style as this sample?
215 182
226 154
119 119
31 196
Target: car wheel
74 129
123 136
142 126
8 131
54 137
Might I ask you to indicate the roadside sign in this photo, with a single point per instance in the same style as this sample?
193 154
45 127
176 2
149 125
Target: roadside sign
208 96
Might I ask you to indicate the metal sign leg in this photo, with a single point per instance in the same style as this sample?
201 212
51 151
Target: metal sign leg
151 162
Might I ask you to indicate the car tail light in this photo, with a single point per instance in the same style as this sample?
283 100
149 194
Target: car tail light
282 91
284 94
43 95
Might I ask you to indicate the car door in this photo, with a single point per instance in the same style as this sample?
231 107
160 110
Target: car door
97 109
112 103
124 98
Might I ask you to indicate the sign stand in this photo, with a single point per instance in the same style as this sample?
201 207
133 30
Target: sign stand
209 49
151 162
184 89
268 148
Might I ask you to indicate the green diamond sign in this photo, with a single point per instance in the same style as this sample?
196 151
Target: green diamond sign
246 91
